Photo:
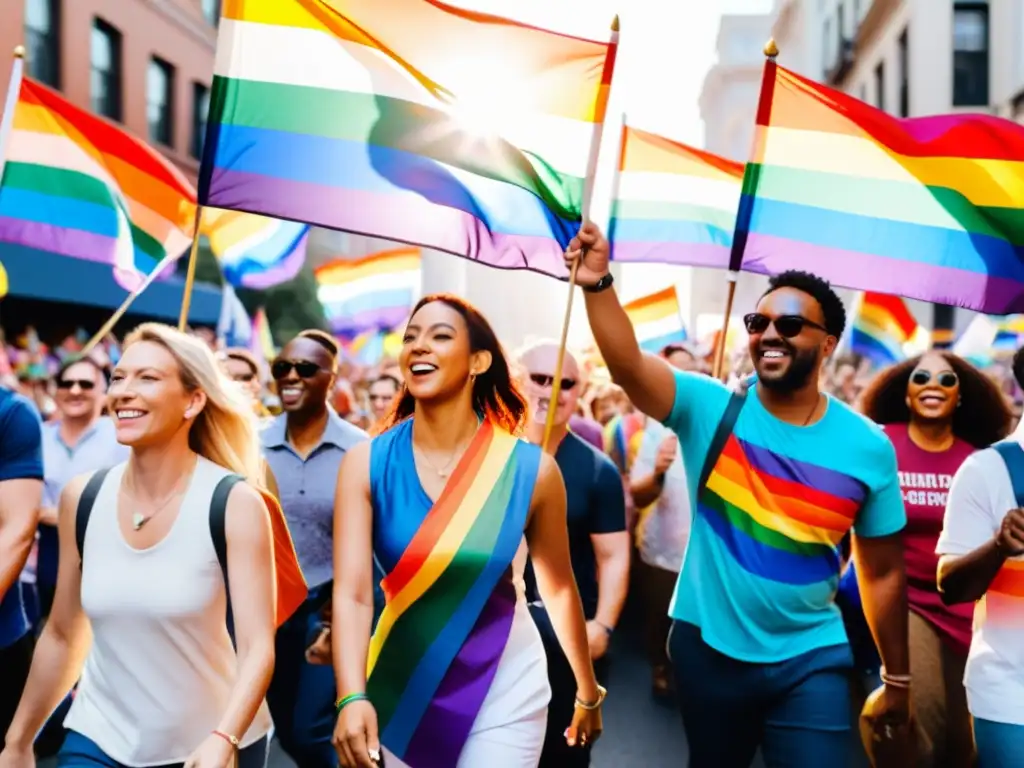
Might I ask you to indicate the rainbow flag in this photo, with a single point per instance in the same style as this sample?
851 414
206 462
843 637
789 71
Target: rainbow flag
882 324
374 293
407 119
928 208
76 185
255 251
450 600
623 436
366 348
261 341
673 203
1009 331
657 320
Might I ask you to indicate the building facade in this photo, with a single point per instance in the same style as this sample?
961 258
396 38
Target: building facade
146 64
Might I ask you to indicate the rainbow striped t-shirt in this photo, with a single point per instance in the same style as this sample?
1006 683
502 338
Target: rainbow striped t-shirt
762 565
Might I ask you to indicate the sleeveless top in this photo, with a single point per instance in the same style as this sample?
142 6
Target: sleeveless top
453 627
162 666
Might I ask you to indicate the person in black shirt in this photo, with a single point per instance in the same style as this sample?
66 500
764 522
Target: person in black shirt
598 541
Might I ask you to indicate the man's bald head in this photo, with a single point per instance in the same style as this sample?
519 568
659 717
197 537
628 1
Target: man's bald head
538 362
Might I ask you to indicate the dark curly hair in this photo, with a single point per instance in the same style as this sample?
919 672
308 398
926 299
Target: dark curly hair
983 418
818 288
495 392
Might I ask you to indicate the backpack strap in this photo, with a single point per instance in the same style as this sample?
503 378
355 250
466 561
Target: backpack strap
1013 457
722 432
218 533
84 510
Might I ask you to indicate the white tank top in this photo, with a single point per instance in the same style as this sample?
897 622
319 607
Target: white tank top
161 667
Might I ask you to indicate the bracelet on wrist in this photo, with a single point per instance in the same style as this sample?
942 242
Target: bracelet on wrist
590 706
344 701
232 740
608 630
895 681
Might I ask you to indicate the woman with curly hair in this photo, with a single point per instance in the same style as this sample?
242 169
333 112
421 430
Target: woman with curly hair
937 409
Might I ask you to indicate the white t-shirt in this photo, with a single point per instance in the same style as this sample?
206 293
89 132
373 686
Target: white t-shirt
979 498
665 529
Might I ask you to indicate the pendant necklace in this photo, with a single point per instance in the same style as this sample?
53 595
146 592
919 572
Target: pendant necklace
443 472
138 518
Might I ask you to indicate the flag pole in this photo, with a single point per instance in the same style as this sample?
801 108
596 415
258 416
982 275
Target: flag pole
588 194
750 178
11 103
190 277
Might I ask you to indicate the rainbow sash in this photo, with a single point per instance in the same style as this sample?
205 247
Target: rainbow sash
450 604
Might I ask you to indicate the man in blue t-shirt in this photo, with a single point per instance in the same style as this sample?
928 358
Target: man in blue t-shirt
21 493
758 646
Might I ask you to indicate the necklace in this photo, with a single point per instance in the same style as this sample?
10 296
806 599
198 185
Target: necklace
138 518
813 410
443 471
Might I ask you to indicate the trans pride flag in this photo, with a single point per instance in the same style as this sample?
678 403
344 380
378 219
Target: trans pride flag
410 120
375 293
75 185
255 251
930 208
657 320
882 325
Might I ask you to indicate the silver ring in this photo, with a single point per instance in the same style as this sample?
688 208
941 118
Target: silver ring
374 755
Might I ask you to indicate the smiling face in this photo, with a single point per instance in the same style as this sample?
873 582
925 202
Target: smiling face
80 391
788 350
303 375
437 360
240 372
933 390
539 364
147 398
381 394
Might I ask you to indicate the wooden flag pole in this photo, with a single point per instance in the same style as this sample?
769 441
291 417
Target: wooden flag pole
190 277
595 151
771 52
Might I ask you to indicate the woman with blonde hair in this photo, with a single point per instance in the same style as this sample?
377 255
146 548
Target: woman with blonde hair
151 553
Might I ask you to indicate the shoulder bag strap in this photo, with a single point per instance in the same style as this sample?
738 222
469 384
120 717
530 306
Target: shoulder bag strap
725 427
1013 457
84 510
218 533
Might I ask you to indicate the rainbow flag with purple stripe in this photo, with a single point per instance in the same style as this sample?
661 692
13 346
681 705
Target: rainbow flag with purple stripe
255 252
930 208
374 293
882 325
450 602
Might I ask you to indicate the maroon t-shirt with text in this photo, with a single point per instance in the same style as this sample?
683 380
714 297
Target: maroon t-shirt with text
925 477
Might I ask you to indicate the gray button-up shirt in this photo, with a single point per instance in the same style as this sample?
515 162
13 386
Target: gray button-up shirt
307 489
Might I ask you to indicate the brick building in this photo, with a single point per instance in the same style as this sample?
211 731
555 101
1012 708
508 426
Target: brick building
146 64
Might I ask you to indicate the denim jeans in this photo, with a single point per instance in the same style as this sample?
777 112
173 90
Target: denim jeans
1000 745
82 752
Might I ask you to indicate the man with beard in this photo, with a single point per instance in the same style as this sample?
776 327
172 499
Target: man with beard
598 542
778 473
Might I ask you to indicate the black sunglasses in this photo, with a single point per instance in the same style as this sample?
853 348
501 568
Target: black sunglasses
84 384
946 379
304 368
543 380
787 326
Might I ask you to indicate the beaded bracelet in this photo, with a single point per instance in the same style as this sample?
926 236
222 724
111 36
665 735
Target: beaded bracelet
591 706
344 701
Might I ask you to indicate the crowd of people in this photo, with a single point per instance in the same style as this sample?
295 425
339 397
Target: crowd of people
444 592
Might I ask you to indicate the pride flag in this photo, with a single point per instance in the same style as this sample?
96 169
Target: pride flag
657 320
255 251
374 293
262 341
673 203
406 119
76 185
928 208
882 325
1009 331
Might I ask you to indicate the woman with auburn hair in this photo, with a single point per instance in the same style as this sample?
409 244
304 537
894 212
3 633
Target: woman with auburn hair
441 499
162 682
937 409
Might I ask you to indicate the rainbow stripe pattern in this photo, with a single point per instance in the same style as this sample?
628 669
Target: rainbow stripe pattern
382 129
255 252
374 293
882 324
623 436
1003 603
929 208
657 320
1009 331
673 204
450 602
779 518
76 185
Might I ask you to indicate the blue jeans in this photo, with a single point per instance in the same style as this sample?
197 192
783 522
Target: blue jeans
82 752
1000 745
797 711
301 695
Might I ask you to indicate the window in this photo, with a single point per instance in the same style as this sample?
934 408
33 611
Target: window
211 10
160 101
970 55
200 110
904 74
105 61
42 41
880 85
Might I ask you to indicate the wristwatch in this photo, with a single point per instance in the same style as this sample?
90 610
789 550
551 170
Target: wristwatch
601 285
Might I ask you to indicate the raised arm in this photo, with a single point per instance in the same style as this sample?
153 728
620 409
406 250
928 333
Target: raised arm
646 379
352 616
62 647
